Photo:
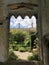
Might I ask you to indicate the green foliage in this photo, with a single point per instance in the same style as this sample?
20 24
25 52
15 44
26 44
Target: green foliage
12 56
22 49
33 37
31 32
33 57
28 49
19 38
27 41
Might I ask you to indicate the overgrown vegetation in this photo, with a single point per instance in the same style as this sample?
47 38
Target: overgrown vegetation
19 39
34 57
12 56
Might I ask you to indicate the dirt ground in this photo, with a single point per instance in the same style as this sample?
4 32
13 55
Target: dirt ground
23 55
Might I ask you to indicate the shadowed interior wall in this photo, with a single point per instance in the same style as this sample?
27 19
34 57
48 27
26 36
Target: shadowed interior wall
42 26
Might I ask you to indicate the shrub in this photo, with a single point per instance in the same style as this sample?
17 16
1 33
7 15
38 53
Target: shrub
12 56
28 49
20 36
22 49
12 46
33 57
27 41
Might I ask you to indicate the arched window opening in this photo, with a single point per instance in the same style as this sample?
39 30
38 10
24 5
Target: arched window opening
23 37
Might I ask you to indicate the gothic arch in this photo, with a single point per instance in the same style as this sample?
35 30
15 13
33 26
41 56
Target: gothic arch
40 10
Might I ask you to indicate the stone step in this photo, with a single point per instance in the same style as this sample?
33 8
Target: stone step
22 62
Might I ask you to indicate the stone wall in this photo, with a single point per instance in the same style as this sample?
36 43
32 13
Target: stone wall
44 28
3 33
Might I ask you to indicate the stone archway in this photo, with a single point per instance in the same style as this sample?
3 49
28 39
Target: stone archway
42 25
7 11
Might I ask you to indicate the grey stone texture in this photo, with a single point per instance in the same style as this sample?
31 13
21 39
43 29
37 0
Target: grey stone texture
42 12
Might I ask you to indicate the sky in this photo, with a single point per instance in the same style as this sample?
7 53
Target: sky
23 23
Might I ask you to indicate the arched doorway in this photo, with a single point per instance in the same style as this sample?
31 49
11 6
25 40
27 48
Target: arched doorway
23 14
25 25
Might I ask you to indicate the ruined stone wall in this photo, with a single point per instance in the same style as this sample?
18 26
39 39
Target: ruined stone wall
44 28
4 26
3 33
19 1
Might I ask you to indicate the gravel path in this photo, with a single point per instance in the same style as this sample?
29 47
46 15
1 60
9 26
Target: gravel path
23 55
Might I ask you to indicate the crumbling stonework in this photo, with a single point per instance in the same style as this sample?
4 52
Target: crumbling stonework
40 9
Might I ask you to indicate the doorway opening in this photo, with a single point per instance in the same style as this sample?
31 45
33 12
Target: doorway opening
23 40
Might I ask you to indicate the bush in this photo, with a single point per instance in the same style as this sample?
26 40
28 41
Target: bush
12 56
22 49
19 39
13 46
20 36
33 57
27 41
28 49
